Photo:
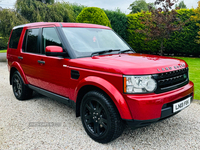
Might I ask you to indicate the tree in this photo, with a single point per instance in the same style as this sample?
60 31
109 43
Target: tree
118 22
35 11
161 23
77 8
47 1
181 5
197 19
139 5
9 19
93 15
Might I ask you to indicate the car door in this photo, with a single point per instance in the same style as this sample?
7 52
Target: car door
29 55
54 71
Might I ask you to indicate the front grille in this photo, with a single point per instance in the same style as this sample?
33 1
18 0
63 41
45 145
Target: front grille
171 80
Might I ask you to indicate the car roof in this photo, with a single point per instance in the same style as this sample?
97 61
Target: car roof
62 24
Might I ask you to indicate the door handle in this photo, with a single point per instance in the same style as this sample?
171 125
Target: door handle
20 57
41 62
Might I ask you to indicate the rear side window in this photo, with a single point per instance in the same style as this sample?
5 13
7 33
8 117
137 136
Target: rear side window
31 42
14 40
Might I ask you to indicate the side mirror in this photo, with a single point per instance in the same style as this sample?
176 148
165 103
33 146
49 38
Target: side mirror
54 51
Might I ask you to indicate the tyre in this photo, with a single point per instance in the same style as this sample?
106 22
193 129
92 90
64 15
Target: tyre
20 90
100 117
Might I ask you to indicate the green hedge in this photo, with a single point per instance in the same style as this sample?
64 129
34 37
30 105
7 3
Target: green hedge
136 40
118 22
183 43
180 43
3 44
77 8
93 15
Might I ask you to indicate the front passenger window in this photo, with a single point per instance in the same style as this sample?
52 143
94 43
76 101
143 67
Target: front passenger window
50 38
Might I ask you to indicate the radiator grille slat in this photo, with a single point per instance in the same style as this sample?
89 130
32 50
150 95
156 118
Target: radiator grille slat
171 80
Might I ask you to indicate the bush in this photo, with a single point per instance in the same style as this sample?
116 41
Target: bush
3 44
180 43
93 15
118 22
136 40
36 11
77 9
183 43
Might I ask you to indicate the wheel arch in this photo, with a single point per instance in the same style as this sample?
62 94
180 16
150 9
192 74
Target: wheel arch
16 67
100 84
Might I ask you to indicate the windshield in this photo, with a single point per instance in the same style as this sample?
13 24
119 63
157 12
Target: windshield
85 41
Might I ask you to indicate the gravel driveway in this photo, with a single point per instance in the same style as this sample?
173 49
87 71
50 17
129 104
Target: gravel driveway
42 123
3 57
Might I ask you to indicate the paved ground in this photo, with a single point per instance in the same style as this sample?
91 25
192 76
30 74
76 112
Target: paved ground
2 57
42 123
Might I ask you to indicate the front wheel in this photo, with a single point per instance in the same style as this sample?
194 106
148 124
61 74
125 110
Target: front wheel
100 117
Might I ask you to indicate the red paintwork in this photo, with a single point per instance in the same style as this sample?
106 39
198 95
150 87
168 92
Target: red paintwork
56 49
84 25
105 72
148 106
106 86
128 64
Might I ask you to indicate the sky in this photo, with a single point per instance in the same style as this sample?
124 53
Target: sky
106 4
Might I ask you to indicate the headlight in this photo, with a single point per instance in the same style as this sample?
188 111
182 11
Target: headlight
139 84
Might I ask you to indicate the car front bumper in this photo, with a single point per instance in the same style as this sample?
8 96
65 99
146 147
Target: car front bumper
149 108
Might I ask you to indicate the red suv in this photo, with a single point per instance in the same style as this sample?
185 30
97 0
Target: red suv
90 68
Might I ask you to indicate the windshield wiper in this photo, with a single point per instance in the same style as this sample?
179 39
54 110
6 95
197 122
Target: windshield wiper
105 51
124 51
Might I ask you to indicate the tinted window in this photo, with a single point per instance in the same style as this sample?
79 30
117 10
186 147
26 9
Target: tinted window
50 38
15 38
32 45
24 42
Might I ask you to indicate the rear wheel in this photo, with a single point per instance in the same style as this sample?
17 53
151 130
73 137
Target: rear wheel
20 90
100 117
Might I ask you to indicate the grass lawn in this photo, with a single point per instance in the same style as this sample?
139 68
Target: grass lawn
194 73
3 51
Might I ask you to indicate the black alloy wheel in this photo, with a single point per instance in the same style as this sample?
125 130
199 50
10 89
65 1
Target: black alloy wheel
20 90
95 118
17 86
100 117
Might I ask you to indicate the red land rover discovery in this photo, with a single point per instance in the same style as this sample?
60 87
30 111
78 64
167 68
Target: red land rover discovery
90 68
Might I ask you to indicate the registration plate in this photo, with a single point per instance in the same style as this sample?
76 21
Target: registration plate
182 104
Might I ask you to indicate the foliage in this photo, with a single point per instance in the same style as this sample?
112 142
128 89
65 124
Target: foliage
181 5
3 44
180 43
35 11
183 43
9 19
93 15
47 1
194 74
118 22
196 18
139 5
77 8
136 40
161 23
